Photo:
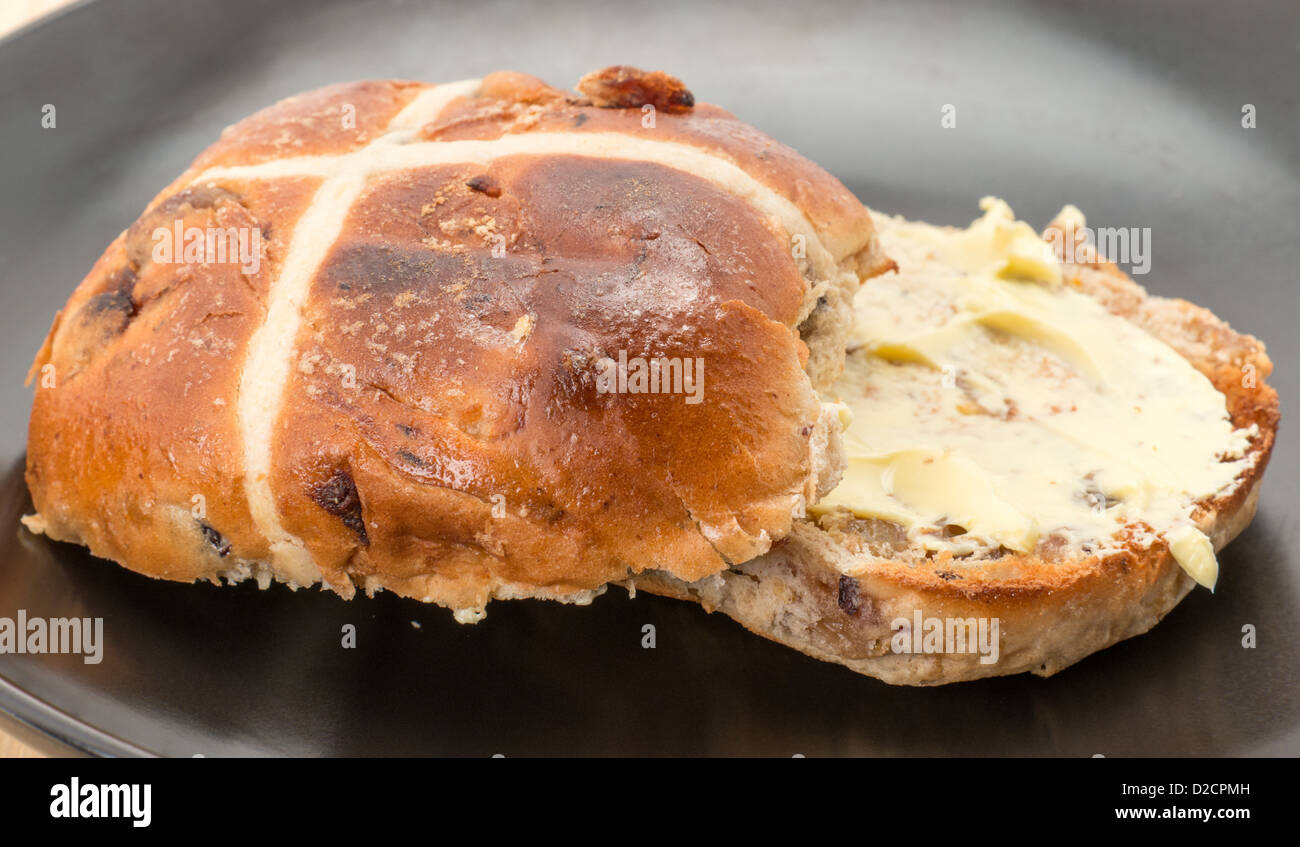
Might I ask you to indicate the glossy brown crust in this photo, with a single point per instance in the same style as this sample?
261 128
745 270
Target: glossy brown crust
841 221
441 433
133 447
328 121
636 264
1053 610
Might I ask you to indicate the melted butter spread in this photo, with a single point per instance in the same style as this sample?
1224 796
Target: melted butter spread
992 405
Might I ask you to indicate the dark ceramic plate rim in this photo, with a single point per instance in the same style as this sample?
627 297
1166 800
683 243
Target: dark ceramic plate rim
50 730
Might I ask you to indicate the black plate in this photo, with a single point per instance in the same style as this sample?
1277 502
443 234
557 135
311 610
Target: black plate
1134 114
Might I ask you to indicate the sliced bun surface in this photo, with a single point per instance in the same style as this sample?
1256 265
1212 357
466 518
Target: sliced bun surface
483 339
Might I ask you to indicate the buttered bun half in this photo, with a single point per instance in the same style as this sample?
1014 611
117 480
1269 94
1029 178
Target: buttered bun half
463 342
1041 460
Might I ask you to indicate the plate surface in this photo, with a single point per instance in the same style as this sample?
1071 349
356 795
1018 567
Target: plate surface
1131 112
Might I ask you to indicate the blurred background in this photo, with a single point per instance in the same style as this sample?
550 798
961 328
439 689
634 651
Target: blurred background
15 14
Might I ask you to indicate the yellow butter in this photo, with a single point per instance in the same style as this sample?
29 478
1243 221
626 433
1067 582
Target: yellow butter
1002 246
909 485
993 406
1194 552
